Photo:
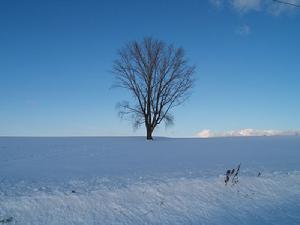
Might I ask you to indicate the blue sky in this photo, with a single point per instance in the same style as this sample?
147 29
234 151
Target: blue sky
56 57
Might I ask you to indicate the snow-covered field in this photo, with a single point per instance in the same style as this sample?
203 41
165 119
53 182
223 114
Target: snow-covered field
133 181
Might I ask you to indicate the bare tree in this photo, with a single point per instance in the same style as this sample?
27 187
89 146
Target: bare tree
158 77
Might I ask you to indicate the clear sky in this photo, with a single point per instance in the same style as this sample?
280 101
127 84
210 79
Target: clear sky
56 57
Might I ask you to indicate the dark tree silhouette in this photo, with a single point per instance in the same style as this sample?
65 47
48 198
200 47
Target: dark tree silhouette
159 78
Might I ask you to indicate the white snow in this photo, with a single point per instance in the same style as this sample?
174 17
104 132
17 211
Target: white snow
206 133
129 180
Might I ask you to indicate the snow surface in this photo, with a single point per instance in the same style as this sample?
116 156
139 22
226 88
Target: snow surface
128 180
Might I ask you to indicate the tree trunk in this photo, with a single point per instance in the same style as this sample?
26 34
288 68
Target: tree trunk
149 132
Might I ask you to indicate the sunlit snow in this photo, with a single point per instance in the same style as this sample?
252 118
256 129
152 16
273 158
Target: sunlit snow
134 181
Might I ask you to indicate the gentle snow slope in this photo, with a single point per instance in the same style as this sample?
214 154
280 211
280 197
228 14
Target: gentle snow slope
133 181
